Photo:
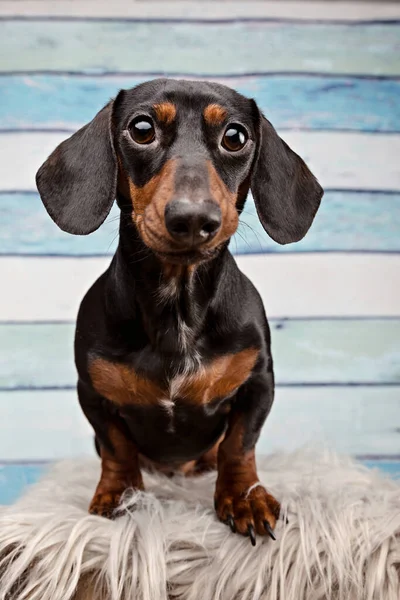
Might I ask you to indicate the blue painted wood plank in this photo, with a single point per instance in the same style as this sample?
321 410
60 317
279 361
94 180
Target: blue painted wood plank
389 467
232 48
347 221
297 101
322 351
15 479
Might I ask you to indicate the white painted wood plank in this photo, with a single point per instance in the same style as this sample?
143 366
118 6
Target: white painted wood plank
358 420
50 425
291 285
326 285
326 11
46 289
43 426
350 160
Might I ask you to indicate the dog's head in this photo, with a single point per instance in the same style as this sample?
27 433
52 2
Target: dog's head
182 156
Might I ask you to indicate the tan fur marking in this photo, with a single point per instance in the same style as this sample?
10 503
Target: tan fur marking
218 379
237 475
227 204
165 112
121 384
119 471
149 204
214 114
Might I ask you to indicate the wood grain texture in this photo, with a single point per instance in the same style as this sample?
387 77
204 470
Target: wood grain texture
295 285
96 46
326 11
305 352
347 221
294 101
350 160
354 420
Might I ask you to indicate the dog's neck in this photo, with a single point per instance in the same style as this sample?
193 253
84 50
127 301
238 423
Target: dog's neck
171 300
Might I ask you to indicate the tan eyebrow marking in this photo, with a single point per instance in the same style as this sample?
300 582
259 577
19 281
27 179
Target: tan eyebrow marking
214 114
165 111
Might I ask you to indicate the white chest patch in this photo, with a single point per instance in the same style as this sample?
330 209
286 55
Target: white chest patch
168 291
169 406
191 365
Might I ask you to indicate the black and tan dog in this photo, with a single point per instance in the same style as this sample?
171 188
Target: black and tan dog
172 342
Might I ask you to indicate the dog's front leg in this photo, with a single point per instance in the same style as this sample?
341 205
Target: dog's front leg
241 501
119 456
119 471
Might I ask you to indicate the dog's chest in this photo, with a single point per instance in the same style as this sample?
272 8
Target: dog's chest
205 384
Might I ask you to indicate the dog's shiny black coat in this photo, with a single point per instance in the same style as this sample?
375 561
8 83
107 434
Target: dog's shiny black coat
131 316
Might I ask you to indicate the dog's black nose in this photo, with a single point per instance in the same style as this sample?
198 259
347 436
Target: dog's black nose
192 222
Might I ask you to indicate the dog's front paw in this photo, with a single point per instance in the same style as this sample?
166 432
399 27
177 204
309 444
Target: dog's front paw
248 511
105 504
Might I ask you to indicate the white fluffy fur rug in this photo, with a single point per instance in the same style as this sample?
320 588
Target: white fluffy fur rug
342 540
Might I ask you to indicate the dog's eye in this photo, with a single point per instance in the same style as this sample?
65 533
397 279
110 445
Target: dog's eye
142 130
235 138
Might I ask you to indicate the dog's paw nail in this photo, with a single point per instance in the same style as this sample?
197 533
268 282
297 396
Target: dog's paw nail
252 534
268 529
231 523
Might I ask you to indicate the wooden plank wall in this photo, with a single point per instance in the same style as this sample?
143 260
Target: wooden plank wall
327 75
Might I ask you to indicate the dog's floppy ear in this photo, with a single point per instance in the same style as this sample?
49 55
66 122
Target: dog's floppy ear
285 192
77 183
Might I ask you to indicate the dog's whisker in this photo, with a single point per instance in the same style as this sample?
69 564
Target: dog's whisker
254 232
243 238
116 234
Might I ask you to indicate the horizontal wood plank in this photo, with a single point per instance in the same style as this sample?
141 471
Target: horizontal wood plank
16 478
49 425
305 352
43 425
389 467
346 222
325 11
290 102
188 48
349 420
295 285
340 160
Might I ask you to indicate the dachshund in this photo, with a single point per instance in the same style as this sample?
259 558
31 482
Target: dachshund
172 343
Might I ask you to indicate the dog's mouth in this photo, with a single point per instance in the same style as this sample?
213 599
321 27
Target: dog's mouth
168 251
187 257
